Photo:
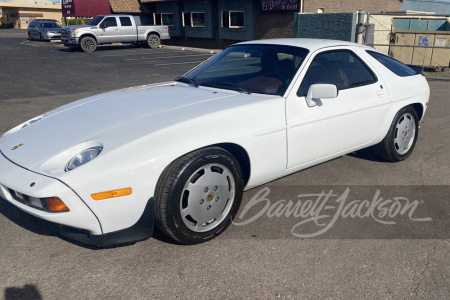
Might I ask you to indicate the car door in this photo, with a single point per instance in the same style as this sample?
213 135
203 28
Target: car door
337 125
127 30
109 31
34 31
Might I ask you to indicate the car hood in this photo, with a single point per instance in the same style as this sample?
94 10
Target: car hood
52 29
82 120
76 27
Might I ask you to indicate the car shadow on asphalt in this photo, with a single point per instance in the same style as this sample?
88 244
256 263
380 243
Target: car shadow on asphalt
106 48
28 292
365 154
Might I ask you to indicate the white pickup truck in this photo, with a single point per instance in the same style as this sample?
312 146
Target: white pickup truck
113 29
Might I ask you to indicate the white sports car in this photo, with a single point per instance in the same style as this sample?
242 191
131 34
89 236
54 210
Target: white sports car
180 154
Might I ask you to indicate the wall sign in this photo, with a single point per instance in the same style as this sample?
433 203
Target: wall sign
281 5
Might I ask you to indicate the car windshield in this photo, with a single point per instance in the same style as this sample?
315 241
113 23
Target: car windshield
50 25
263 69
95 21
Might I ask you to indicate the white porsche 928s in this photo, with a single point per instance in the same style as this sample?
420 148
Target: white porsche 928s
180 154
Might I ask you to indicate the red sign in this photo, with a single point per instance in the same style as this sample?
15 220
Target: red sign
85 8
281 5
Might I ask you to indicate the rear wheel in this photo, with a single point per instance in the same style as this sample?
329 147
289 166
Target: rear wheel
401 138
198 195
88 44
153 41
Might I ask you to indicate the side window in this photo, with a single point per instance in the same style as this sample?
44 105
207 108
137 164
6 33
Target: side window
341 67
110 22
395 66
125 21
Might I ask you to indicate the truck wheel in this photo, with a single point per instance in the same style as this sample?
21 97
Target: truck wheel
153 41
88 44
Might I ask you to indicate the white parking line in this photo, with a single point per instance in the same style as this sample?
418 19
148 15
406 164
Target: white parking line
189 62
143 58
143 53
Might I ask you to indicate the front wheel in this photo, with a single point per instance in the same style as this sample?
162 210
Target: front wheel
88 44
153 41
401 138
198 195
29 37
41 37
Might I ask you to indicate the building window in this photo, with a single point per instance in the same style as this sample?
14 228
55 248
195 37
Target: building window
198 19
233 19
320 10
156 19
186 19
167 19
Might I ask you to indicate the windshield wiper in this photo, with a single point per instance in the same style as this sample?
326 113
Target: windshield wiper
226 84
187 80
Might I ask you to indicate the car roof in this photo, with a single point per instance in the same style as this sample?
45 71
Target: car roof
310 44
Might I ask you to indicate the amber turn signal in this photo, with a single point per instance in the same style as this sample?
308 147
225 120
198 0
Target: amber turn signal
56 205
111 194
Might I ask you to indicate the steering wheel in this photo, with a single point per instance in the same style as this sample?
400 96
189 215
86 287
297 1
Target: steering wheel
276 75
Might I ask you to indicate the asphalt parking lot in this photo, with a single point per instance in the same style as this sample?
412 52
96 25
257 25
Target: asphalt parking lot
355 259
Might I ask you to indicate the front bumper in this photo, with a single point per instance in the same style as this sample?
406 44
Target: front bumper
80 223
52 36
14 177
68 42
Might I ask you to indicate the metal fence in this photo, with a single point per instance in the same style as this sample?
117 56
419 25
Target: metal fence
420 40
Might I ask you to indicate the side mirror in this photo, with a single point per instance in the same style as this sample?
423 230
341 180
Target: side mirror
321 91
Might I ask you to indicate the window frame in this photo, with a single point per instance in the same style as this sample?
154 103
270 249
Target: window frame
129 18
382 54
192 20
167 13
104 20
229 19
359 57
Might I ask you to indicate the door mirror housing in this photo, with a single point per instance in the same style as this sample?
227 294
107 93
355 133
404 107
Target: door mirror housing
321 91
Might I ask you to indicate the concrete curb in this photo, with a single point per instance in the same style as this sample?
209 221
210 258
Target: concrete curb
212 51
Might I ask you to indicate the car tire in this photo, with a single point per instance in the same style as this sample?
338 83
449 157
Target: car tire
401 138
153 41
206 184
88 44
29 37
41 38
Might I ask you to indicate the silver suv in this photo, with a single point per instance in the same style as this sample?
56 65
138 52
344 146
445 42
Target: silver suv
44 30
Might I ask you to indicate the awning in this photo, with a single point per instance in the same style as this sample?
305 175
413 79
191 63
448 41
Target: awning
85 8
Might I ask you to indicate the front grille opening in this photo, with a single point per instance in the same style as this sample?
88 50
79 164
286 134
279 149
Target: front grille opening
37 203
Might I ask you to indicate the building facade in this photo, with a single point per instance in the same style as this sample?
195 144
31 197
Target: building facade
18 15
219 23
